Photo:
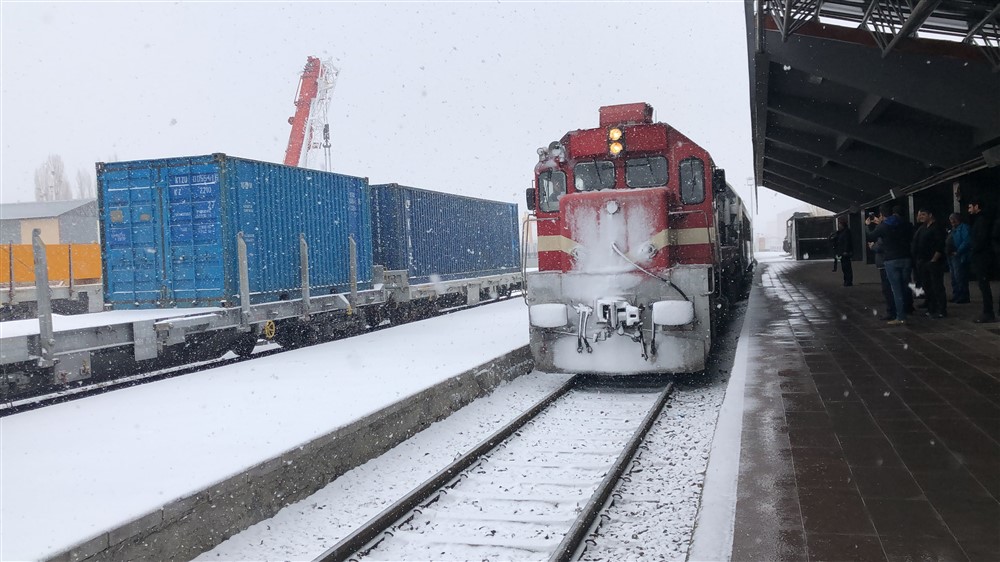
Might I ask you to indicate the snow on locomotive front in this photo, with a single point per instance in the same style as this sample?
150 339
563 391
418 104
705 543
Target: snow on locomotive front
627 249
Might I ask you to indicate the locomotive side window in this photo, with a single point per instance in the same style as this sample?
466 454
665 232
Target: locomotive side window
646 172
589 176
551 188
692 181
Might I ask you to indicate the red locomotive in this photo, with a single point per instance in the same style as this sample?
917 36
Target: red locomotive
641 247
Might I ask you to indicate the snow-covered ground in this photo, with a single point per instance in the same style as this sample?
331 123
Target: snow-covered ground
70 471
653 519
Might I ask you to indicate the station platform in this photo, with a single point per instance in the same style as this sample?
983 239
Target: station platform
860 440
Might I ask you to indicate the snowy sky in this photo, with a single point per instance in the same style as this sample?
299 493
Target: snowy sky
454 97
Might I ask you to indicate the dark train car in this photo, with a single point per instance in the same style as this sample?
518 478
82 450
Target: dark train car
812 237
442 236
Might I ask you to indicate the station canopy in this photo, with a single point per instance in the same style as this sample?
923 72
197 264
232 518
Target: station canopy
857 102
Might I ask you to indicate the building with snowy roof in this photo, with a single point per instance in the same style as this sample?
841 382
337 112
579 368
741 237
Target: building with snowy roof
61 222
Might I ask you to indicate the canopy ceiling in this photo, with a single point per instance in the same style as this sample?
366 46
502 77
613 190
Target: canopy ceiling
855 102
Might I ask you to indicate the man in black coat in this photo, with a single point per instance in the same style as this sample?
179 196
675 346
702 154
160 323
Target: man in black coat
982 258
843 249
929 257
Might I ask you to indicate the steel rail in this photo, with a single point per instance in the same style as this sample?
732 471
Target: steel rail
574 539
379 524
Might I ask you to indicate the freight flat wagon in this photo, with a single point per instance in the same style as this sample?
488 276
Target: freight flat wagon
224 251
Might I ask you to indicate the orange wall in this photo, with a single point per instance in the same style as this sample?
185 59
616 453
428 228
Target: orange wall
86 262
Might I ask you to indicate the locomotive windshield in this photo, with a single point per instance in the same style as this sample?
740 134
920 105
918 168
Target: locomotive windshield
590 176
646 172
551 187
692 181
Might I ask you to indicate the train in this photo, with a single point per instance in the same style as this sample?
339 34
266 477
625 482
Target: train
642 248
222 252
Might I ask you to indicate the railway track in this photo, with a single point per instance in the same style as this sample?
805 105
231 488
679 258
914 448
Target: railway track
532 490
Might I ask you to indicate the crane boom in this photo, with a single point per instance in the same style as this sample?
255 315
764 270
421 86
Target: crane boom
309 124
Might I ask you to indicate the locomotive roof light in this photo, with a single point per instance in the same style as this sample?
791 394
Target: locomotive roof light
616 141
557 151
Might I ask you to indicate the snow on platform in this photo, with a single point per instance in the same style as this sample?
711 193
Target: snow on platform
70 471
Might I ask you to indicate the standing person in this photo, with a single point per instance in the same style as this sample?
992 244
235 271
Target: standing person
843 246
894 234
981 259
876 247
929 256
918 278
958 245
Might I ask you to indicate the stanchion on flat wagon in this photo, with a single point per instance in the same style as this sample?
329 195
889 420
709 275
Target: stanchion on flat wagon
10 263
354 272
69 258
241 251
43 299
304 268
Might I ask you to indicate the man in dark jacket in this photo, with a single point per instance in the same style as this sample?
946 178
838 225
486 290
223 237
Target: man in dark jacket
895 235
843 246
982 259
876 248
928 257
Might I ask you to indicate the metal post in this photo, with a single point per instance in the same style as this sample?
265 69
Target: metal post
69 249
354 271
304 269
10 257
241 248
43 299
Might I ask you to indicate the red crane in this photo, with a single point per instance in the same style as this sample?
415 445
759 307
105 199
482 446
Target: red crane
309 123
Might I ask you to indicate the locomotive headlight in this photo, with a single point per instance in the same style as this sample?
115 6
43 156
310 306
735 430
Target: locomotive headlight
616 141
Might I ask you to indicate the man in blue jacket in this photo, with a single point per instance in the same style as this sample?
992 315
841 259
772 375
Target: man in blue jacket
895 234
958 245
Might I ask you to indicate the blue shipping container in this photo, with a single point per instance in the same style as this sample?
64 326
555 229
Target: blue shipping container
439 234
169 230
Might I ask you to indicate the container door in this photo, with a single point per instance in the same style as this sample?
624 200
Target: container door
193 274
133 233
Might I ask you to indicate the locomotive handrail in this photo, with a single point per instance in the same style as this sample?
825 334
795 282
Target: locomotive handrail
524 251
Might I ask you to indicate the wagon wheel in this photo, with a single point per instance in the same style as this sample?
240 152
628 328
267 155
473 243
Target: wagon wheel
244 344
